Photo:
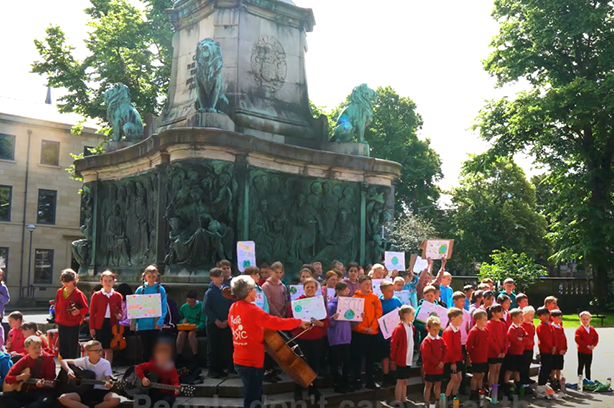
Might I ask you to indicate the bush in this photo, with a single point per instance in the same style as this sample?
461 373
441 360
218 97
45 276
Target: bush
507 264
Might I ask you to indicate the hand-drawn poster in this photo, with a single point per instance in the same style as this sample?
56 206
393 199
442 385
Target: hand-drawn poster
437 248
259 301
144 306
308 308
246 254
376 282
428 309
420 264
350 309
330 294
296 291
394 260
388 322
403 296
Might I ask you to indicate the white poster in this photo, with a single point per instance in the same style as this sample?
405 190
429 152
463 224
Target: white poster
144 306
420 264
350 308
259 301
394 260
246 254
376 282
296 291
308 308
428 309
330 294
403 296
388 322
438 248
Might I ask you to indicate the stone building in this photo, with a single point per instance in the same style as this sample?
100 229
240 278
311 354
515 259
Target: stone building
35 148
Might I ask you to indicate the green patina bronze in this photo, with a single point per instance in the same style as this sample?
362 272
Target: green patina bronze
125 120
209 66
355 117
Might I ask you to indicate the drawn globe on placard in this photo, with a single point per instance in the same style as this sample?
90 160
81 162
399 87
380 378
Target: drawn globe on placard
298 308
433 314
246 263
349 314
443 249
395 260
293 290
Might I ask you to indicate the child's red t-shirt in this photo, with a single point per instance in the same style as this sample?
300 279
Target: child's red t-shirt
16 338
433 351
497 331
529 327
454 348
477 345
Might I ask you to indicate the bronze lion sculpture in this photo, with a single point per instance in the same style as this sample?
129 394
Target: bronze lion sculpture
209 66
355 118
122 115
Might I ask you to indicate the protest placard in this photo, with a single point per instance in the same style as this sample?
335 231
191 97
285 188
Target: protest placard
388 322
428 309
144 306
350 309
394 260
375 285
308 308
246 254
403 296
437 248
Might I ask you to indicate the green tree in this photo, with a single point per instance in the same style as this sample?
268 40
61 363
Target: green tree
410 230
125 45
494 207
507 264
564 50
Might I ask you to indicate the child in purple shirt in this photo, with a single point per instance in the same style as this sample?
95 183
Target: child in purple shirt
339 339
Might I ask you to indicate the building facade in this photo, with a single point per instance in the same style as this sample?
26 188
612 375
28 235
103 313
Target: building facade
39 202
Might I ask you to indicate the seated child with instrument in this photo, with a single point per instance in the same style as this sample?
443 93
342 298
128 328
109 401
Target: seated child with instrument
105 312
163 368
100 396
31 329
191 312
14 340
30 381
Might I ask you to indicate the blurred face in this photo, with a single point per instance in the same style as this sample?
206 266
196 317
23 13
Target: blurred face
310 289
544 318
585 320
388 292
408 318
528 317
523 303
318 268
344 292
276 274
365 287
469 293
517 319
361 271
14 323
446 280
353 274
217 280
398 286
332 281
71 284
255 277
434 330
479 300
497 315
35 350
163 354
394 273
481 323
191 302
558 319
552 305
265 272
506 305
151 278
489 301
429 296
251 296
304 276
107 283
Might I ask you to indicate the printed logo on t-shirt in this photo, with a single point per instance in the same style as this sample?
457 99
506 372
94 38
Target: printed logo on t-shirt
237 331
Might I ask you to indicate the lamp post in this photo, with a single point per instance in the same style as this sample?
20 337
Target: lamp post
30 228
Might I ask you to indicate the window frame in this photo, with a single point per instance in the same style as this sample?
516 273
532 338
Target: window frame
50 142
6 263
14 143
34 281
10 202
55 206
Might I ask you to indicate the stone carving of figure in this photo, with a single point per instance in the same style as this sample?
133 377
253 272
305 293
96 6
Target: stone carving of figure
221 207
131 221
260 231
116 240
355 117
375 249
315 196
305 227
341 245
375 210
330 206
81 248
209 66
152 213
122 200
347 202
140 244
122 115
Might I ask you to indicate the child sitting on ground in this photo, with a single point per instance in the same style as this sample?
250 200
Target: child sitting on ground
453 360
31 329
191 312
101 394
478 343
433 350
163 367
15 339
389 303
402 351
560 344
587 339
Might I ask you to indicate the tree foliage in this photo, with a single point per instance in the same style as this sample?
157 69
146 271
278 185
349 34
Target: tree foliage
494 207
125 45
564 49
508 264
410 230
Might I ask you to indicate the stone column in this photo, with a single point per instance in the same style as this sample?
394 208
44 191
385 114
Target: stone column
162 224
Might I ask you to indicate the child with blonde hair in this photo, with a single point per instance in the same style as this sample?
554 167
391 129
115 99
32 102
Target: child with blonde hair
433 350
586 339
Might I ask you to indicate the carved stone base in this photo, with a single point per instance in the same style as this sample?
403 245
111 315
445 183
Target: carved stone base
210 120
353 149
113 146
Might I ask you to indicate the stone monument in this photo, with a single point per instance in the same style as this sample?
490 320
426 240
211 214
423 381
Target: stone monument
236 155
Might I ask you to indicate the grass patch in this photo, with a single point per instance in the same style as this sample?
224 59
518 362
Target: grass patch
572 321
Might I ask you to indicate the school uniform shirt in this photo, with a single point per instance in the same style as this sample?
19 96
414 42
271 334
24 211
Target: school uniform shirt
64 304
316 332
339 331
478 345
166 375
402 345
102 369
497 331
46 350
150 323
433 350
372 312
586 336
545 338
105 306
507 319
247 322
46 372
454 352
193 315
529 343
560 340
15 336
516 337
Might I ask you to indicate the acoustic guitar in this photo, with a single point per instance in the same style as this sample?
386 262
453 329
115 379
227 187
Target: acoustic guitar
133 386
83 383
27 384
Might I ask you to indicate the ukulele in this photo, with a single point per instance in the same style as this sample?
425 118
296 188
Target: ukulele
25 385
83 383
133 386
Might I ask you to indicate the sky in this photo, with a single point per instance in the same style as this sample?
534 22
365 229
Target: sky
430 51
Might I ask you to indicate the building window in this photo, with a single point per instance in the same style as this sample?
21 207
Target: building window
43 266
5 203
50 153
46 206
4 261
7 147
86 151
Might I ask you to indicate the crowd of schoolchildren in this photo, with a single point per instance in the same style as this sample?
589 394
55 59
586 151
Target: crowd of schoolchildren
491 335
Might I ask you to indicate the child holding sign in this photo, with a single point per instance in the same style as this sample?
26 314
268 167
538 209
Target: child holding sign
389 303
149 328
339 339
311 342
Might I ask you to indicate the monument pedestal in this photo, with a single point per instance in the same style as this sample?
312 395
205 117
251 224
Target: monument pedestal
354 149
210 120
113 146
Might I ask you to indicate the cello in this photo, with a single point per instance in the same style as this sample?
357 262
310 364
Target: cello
284 352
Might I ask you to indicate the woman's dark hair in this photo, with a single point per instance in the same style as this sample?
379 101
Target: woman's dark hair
124 289
488 294
477 295
494 309
503 298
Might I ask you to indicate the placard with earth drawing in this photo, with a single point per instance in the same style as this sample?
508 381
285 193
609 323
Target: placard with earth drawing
350 309
428 309
437 248
246 254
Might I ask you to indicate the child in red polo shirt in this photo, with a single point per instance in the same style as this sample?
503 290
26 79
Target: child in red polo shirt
516 337
497 330
70 309
433 350
402 351
560 344
15 339
586 339
506 302
545 343
528 313
478 344
453 362
105 311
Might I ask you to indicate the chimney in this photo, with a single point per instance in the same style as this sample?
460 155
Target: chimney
48 98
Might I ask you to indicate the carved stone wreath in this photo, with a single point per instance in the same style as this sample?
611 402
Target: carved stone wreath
269 63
